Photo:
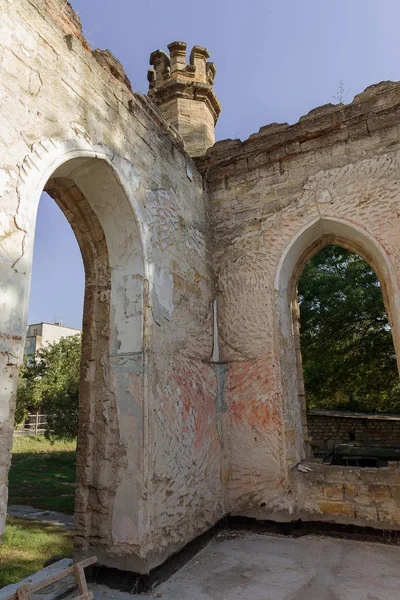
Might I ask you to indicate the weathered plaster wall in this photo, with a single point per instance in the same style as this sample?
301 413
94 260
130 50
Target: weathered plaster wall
276 199
192 403
149 454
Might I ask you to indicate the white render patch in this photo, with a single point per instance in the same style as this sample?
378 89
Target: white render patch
4 178
189 173
4 407
164 291
215 354
324 196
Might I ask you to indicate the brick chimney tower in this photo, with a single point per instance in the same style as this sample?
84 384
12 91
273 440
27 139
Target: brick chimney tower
184 95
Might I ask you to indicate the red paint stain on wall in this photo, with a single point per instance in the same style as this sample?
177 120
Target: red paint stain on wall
195 384
251 394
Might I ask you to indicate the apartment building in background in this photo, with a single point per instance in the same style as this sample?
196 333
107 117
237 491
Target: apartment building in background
41 334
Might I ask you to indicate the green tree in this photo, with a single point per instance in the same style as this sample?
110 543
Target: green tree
53 382
349 362
28 393
58 369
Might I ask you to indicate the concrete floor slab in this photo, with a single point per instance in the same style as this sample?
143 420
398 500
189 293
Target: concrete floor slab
245 566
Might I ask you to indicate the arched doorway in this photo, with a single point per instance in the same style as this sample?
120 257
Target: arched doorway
88 190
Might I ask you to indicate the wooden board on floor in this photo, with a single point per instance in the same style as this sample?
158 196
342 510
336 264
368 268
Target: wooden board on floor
77 569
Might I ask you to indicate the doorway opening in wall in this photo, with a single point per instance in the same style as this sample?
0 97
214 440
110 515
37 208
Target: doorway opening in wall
350 373
43 471
95 205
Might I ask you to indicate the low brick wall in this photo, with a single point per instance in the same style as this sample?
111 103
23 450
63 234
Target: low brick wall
327 428
351 495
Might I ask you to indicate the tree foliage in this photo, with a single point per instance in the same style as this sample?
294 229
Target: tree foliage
349 362
28 394
52 381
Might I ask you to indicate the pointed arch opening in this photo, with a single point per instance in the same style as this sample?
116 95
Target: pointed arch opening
307 244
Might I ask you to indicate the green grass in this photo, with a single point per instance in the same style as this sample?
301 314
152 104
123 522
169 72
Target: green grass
42 474
26 545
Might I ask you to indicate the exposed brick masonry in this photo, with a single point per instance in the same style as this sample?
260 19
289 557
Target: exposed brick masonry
327 428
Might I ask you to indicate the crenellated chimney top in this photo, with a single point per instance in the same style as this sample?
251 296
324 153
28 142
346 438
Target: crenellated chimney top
183 92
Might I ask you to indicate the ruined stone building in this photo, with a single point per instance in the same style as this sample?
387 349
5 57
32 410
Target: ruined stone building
192 404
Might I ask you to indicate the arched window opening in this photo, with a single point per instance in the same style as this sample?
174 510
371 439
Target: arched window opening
350 373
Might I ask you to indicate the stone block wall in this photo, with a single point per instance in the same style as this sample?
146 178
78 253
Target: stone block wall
366 497
327 428
276 199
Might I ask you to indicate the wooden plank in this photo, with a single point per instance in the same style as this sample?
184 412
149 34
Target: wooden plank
56 567
24 592
80 579
58 576
87 596
51 579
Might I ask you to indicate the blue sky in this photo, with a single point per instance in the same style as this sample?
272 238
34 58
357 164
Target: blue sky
275 59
